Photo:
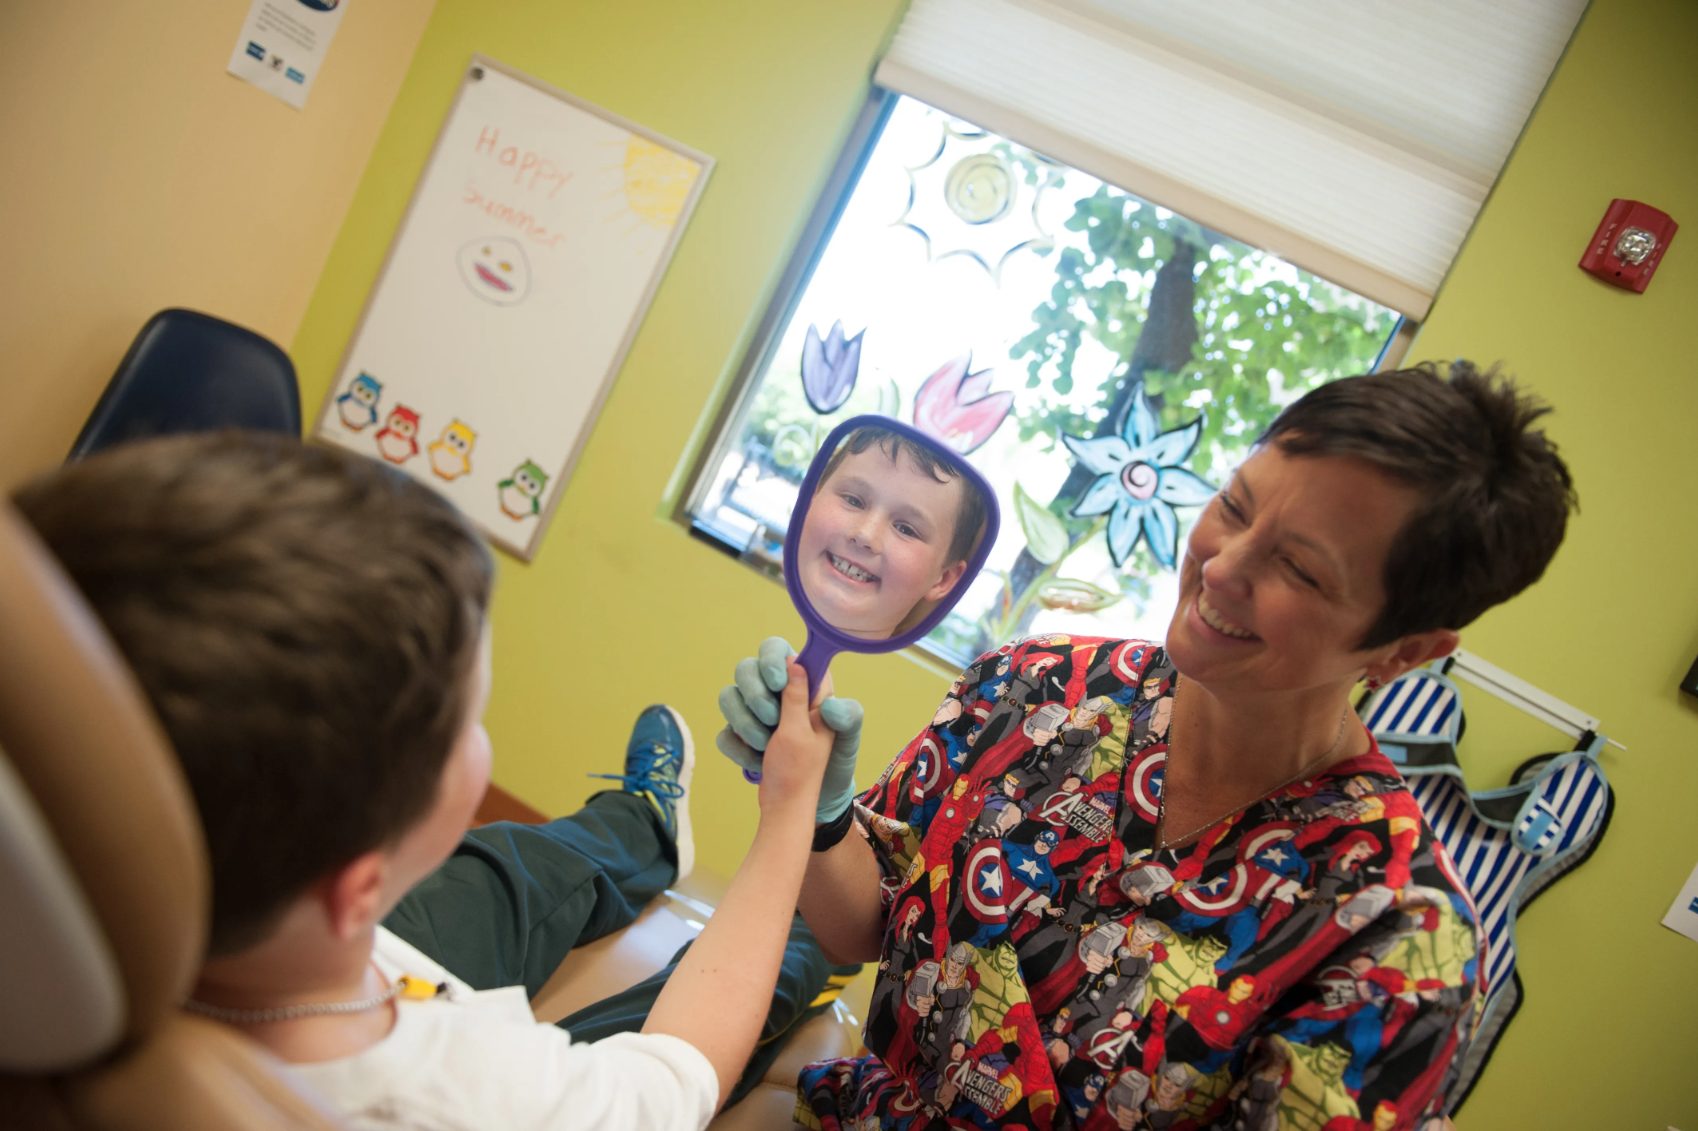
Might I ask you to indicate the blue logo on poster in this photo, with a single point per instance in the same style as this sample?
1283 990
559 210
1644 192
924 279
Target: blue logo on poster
1694 907
256 50
294 76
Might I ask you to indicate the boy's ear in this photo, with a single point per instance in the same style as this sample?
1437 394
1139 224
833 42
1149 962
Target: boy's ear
945 583
354 894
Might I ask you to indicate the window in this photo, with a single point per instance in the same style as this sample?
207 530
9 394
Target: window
1103 361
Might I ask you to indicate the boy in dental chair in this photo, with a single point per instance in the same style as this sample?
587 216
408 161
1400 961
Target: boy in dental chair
310 627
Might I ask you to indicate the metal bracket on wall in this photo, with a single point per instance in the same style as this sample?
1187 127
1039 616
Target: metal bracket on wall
1519 693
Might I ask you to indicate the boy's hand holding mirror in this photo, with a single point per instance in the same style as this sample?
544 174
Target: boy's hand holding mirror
751 709
889 530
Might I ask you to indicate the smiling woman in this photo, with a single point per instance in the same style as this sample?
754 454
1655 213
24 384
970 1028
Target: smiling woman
1180 884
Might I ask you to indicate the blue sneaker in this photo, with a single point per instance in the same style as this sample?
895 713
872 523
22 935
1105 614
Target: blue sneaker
658 763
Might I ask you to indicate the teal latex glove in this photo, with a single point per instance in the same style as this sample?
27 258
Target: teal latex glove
750 707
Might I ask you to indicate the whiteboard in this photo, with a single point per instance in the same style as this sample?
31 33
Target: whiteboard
534 241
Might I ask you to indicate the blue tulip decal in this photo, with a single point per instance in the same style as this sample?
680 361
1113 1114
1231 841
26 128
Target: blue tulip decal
829 368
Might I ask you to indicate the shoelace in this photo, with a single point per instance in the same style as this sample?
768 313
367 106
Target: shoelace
656 760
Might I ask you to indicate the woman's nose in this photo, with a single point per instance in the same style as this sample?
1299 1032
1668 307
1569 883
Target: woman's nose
1229 569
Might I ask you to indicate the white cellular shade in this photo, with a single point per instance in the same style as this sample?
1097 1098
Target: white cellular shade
1355 138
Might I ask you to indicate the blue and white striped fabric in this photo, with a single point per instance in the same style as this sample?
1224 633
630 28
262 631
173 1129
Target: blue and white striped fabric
1507 844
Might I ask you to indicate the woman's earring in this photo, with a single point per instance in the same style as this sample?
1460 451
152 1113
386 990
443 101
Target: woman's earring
1373 683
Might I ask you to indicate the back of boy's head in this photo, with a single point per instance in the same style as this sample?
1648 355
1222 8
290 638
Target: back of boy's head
969 512
304 622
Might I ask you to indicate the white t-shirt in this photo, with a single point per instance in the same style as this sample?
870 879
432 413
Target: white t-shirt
481 1060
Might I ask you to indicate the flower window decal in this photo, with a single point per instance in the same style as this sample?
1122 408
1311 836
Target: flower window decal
830 366
957 405
1140 481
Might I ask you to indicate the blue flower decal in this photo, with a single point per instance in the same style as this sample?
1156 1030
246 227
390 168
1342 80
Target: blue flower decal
1139 479
829 368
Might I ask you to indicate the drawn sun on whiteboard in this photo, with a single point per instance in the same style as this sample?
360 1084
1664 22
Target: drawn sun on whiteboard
657 182
496 270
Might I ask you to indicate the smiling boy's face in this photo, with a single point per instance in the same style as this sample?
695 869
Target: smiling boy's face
875 542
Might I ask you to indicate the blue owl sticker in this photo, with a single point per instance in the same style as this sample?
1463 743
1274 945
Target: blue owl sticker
358 405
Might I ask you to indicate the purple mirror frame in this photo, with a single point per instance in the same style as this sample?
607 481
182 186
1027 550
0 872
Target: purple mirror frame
824 641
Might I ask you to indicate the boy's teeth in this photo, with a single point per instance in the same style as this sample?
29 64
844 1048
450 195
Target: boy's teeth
850 570
1215 621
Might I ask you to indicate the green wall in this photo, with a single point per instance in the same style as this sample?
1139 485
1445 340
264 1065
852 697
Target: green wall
1610 1023
622 608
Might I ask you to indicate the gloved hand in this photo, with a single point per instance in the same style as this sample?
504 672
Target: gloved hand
750 707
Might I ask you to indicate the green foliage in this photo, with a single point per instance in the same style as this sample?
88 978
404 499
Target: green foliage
1266 332
1046 535
1235 342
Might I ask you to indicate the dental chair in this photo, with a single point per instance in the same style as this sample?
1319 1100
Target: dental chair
104 889
190 372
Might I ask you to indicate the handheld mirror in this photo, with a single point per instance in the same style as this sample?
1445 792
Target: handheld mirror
890 528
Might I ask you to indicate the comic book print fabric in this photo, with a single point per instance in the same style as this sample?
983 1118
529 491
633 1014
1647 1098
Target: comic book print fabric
1310 963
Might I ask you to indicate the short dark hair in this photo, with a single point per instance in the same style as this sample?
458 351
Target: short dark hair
1496 494
304 622
969 513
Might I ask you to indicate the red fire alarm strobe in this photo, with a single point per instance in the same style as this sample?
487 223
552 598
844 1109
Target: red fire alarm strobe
1628 244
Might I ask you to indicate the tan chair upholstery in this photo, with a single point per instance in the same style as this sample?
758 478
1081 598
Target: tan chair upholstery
104 881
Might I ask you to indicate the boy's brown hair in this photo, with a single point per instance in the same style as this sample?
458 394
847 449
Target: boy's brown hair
303 620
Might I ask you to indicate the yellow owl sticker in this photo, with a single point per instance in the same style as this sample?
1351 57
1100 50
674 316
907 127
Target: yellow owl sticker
451 453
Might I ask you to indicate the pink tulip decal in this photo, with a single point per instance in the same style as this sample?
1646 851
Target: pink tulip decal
958 407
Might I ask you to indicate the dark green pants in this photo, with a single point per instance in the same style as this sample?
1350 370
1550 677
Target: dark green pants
511 902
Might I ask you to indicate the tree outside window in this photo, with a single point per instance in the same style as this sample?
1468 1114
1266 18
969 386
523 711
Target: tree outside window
1103 361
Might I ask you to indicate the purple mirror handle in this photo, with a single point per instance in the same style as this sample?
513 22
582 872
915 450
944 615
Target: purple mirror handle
815 659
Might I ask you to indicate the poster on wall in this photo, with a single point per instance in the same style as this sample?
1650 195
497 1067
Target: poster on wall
534 242
282 45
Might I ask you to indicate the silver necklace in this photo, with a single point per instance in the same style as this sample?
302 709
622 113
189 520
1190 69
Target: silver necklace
1163 841
291 1012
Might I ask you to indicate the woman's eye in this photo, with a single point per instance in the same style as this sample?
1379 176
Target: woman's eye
1230 507
1297 571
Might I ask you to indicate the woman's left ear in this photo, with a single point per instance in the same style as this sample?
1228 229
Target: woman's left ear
1411 652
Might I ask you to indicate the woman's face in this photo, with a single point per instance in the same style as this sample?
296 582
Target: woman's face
1284 574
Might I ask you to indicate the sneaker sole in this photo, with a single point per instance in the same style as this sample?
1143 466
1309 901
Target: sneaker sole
684 841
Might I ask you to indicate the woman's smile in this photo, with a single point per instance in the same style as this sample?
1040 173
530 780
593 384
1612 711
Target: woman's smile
1215 620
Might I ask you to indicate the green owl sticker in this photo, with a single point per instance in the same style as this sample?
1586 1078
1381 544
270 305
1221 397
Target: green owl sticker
521 495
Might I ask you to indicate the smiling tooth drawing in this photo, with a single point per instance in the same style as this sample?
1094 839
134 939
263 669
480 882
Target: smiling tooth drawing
496 270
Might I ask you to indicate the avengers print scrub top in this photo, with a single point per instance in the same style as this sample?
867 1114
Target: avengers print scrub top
1309 962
